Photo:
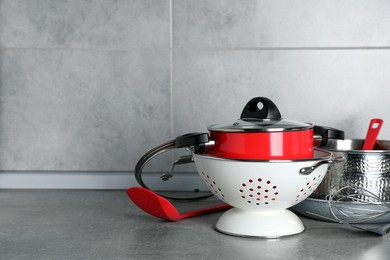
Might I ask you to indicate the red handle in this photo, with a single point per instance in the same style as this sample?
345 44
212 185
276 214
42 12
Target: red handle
211 209
372 133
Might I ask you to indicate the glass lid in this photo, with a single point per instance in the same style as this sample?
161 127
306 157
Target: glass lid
261 115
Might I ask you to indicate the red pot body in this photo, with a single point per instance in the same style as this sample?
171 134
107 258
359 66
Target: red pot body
287 145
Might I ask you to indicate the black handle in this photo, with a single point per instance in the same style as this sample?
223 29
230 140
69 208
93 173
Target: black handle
191 139
260 108
328 133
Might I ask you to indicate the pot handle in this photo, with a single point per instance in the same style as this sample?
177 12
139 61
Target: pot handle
323 133
192 139
310 169
260 108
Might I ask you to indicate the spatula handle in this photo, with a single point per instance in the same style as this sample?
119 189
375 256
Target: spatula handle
372 133
211 209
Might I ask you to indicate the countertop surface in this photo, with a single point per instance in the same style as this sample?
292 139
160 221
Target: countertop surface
76 224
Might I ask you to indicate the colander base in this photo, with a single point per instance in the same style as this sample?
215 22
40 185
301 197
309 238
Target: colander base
263 224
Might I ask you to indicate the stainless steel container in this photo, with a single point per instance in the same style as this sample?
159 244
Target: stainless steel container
364 169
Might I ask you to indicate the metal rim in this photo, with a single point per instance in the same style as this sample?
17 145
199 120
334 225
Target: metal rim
357 151
326 157
165 147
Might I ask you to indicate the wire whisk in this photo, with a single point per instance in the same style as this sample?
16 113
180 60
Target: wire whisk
353 205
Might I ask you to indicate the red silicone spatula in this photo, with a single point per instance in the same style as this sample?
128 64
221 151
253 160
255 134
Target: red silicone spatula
160 207
372 133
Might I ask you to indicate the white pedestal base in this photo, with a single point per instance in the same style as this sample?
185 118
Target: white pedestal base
268 224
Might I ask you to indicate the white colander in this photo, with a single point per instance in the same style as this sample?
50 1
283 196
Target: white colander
261 192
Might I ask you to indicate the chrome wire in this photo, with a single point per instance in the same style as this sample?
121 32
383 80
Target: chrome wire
353 215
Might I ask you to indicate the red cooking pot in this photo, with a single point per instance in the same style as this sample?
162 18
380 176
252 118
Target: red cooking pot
262 134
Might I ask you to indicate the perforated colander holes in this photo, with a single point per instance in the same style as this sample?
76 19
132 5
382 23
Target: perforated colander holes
307 188
213 187
258 192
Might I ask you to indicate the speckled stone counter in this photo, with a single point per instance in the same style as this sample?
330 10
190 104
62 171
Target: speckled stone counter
74 224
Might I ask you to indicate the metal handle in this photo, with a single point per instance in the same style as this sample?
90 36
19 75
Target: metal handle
148 156
183 160
191 139
323 133
310 169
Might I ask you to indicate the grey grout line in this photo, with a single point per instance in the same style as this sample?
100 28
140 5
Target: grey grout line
4 48
171 24
171 66
285 48
172 126
204 48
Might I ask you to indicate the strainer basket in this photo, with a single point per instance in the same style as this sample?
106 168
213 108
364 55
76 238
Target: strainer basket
261 192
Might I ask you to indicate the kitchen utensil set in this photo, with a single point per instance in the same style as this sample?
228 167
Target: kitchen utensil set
260 165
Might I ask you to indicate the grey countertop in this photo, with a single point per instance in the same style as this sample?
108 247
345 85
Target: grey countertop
75 224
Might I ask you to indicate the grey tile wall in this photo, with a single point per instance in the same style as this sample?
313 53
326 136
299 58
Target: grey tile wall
343 88
91 85
107 24
71 109
281 23
84 85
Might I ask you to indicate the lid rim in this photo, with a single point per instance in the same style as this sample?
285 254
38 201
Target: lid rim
265 126
269 130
